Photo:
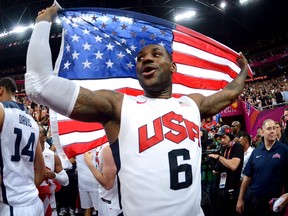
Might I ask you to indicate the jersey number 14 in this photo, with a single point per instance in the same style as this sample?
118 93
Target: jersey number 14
28 148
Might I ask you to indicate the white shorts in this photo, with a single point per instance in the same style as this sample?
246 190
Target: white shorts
37 209
105 210
89 199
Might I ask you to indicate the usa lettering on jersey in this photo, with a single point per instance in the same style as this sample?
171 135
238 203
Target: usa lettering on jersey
172 121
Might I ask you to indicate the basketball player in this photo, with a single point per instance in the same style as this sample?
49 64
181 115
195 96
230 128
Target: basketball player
20 156
106 176
55 175
87 184
154 138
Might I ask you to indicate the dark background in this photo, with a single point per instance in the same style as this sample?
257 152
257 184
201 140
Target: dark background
236 26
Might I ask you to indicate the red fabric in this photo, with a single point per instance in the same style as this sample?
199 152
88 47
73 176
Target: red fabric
45 193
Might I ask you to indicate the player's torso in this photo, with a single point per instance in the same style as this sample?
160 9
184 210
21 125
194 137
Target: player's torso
86 180
49 159
19 139
160 156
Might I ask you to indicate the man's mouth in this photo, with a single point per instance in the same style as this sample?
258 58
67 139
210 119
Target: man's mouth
147 71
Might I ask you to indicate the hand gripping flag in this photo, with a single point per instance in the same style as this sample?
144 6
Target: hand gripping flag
99 49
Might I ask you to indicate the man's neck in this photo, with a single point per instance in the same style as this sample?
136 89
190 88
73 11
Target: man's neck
228 144
269 144
246 148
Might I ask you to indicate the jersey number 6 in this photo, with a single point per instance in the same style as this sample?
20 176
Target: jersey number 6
176 169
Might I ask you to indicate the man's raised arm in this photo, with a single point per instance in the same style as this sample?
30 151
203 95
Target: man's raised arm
40 84
213 104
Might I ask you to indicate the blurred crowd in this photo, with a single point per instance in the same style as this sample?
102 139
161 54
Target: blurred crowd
266 94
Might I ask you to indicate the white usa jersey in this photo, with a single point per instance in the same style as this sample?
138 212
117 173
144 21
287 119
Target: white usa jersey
86 179
49 159
158 156
111 196
18 139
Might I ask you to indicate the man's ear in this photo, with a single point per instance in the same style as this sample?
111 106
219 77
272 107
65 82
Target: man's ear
173 67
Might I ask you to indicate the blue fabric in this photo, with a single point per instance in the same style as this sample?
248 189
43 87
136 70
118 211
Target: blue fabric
101 43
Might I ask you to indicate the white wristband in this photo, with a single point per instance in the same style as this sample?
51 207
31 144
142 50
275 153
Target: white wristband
62 178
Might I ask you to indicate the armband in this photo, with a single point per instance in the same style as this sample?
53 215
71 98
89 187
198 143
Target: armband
41 85
218 157
62 178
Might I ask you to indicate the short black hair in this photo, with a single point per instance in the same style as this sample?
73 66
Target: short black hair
247 137
9 84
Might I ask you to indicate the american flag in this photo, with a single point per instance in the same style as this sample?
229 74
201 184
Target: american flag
99 49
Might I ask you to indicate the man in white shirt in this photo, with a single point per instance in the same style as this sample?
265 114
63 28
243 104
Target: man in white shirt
245 141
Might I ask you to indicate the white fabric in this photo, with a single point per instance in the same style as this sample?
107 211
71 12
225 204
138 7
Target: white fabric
285 96
66 164
86 180
46 145
277 204
105 210
19 131
49 159
247 154
173 131
34 209
89 199
62 178
57 93
112 195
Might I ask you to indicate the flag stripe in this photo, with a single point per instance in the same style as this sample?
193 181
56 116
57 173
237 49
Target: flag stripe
202 73
77 126
80 148
179 47
198 83
81 137
183 35
181 58
203 43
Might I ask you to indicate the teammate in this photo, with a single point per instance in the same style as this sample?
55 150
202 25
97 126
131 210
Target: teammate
20 156
154 138
106 176
55 175
87 184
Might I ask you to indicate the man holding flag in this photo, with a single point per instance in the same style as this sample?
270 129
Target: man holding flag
154 137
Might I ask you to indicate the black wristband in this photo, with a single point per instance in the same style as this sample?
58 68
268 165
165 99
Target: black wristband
218 157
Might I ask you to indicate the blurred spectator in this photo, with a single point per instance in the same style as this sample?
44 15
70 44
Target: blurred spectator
209 124
280 133
285 122
245 141
236 130
258 137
